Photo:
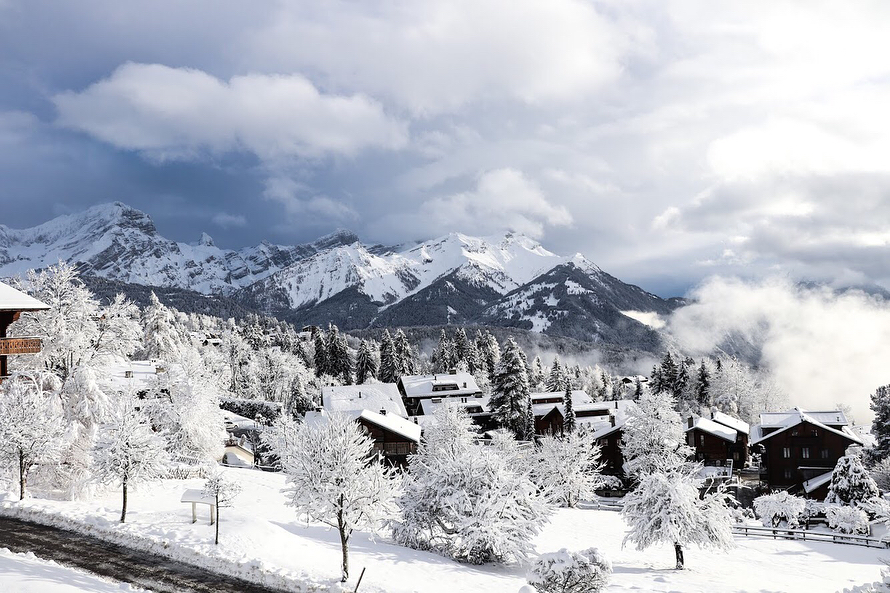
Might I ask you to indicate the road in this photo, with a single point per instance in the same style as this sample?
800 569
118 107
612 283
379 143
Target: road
145 570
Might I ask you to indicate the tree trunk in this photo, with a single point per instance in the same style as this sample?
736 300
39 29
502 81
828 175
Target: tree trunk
216 541
678 550
344 542
124 501
23 475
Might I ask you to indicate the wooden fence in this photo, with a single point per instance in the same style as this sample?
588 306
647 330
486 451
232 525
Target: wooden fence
815 536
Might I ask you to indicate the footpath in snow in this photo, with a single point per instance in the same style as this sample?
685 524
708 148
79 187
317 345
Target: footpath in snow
25 573
263 541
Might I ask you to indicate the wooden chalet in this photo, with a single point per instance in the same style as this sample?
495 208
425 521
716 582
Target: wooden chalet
719 441
12 304
452 386
609 440
801 448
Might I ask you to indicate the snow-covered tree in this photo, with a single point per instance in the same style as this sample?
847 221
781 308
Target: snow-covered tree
528 429
665 508
778 507
223 491
846 519
334 477
569 421
31 427
510 394
587 571
365 364
703 385
880 473
567 468
653 438
556 379
160 339
390 366
443 356
489 352
128 451
473 503
880 426
851 484
407 363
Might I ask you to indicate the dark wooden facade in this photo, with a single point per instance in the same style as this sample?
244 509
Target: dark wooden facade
10 346
550 423
799 453
709 448
394 447
610 453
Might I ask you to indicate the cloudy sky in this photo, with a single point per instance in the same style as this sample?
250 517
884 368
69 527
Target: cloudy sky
668 141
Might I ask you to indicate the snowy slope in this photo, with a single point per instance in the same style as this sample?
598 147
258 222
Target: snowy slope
121 243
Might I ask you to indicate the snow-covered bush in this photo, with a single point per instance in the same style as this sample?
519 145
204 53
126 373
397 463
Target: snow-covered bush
564 571
850 482
846 519
778 507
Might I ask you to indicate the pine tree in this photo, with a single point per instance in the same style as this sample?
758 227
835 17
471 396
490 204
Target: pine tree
653 438
556 378
443 357
568 422
339 359
851 484
529 428
322 365
703 385
405 354
536 377
491 354
880 427
389 363
461 347
365 364
510 390
128 451
161 339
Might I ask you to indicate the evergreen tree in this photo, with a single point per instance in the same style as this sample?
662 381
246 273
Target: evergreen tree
491 354
322 366
536 377
638 389
653 438
510 390
443 357
339 359
365 364
161 338
473 362
389 360
529 428
461 347
556 378
404 354
851 484
880 427
568 423
703 385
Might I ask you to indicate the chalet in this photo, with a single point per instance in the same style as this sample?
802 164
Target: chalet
801 448
549 410
719 441
416 388
376 397
475 407
394 437
12 304
609 440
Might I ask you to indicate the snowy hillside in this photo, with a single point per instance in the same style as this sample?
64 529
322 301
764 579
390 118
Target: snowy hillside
121 243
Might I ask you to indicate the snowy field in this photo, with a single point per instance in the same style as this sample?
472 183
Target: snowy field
24 573
262 539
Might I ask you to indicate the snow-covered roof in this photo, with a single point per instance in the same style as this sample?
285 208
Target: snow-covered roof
125 374
15 300
814 483
393 423
711 427
579 396
734 423
782 421
370 396
430 405
422 385
607 430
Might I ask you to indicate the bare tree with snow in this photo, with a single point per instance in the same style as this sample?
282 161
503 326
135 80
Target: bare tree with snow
653 439
665 508
223 492
334 477
31 427
128 451
567 468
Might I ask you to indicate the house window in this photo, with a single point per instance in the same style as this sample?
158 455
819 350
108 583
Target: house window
128 374
788 474
824 453
805 452
815 432
701 440
794 432
786 452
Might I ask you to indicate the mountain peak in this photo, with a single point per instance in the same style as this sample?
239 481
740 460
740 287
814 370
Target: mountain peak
206 240
335 239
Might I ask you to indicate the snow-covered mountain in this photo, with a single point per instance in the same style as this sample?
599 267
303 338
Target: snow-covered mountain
508 280
117 242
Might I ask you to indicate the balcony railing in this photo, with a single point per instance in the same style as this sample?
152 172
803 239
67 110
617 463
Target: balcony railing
20 346
396 448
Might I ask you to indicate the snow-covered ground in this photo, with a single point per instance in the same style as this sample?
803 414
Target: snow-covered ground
260 535
24 573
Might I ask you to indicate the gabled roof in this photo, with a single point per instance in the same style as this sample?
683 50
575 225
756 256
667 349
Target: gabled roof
15 300
369 396
422 385
814 483
734 423
782 421
393 423
711 427
607 430
428 406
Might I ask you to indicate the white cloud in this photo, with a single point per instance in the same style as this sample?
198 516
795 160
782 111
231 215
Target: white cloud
228 221
171 113
821 347
300 203
503 199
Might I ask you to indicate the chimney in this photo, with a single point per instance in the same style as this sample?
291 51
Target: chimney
383 412
689 422
465 384
612 419
360 395
616 404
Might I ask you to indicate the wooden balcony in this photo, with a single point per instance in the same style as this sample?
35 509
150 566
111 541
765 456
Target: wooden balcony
20 346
